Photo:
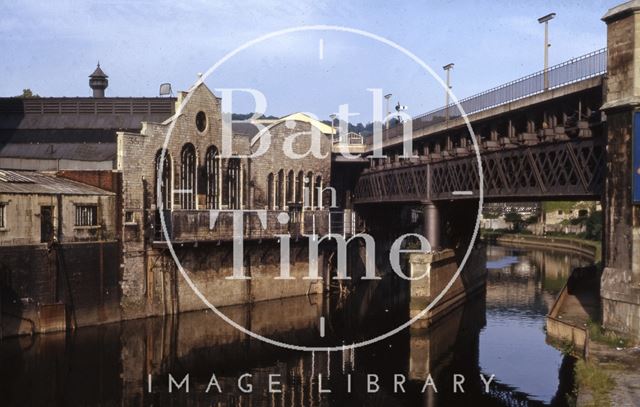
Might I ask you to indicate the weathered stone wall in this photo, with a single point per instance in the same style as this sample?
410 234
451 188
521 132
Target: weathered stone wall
209 267
82 276
275 160
620 284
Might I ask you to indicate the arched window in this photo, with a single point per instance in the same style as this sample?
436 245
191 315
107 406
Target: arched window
290 187
309 184
280 190
234 183
317 192
212 166
188 177
163 181
271 192
299 186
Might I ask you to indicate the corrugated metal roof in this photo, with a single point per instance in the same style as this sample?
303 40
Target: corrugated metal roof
30 182
57 151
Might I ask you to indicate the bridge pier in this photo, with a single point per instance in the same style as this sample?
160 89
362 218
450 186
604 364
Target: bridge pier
431 224
620 283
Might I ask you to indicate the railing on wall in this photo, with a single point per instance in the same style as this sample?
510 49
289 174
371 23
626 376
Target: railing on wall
197 225
574 70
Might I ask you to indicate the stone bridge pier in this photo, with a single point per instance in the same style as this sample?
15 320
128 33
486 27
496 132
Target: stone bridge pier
620 283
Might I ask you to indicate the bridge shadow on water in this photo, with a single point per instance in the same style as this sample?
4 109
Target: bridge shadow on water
498 332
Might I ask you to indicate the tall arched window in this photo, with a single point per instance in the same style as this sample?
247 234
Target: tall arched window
234 183
212 166
290 187
299 186
188 177
317 192
271 192
309 184
163 181
280 190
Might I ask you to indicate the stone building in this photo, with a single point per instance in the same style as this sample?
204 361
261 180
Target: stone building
190 179
109 186
41 208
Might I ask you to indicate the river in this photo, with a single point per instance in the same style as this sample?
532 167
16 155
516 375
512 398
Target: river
500 332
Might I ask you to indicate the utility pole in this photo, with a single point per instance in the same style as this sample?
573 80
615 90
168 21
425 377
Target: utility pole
545 20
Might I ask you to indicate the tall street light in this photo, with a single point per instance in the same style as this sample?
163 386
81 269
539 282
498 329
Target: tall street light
447 68
386 119
545 20
333 117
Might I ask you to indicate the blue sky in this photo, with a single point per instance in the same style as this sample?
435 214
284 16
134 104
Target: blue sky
52 46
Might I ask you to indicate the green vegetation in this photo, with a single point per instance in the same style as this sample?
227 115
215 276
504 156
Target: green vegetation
594 226
519 224
28 93
593 379
600 335
551 206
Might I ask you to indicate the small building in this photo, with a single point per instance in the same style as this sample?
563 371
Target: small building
59 253
38 207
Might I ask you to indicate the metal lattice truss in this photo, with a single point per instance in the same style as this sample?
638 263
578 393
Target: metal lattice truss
569 169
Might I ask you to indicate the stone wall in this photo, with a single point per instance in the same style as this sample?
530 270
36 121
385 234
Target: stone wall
620 284
81 276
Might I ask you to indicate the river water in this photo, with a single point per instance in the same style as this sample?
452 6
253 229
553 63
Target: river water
500 332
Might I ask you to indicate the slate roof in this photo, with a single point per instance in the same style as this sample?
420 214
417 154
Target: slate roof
31 182
60 151
98 73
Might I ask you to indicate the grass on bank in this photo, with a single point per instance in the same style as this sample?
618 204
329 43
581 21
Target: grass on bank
592 379
609 338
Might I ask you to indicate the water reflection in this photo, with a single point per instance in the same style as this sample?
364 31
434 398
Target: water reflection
498 334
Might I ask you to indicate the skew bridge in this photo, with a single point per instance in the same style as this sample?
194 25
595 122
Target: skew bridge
534 144
575 139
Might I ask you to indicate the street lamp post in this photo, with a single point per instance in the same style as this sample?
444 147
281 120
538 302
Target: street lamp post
333 137
545 20
447 68
386 119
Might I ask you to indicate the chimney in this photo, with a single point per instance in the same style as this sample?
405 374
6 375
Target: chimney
98 82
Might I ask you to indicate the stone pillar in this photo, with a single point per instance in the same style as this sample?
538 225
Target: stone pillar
420 289
431 227
620 285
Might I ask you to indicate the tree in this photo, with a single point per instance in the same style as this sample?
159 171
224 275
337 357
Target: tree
28 93
515 219
594 226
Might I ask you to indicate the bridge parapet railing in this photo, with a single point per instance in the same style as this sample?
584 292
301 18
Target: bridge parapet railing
574 70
